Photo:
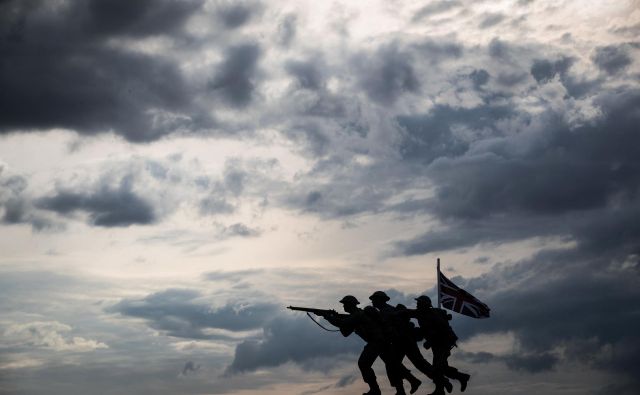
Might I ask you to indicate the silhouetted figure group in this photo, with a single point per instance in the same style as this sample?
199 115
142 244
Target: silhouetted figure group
390 334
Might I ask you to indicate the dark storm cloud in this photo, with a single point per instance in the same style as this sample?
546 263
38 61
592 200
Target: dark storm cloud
612 58
186 314
532 299
288 339
544 70
434 8
81 82
531 363
235 78
106 206
553 179
562 169
388 74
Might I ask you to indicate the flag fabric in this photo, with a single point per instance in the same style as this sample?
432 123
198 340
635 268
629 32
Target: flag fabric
457 299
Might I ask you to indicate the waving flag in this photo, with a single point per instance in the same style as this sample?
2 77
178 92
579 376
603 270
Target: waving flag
457 299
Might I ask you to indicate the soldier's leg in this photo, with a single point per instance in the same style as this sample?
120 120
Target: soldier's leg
452 372
406 374
396 371
365 362
416 358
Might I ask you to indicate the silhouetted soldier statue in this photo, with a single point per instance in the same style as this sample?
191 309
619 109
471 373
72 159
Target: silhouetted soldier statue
439 336
404 338
367 324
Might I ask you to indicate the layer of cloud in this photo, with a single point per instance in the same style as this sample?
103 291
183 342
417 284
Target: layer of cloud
188 314
50 335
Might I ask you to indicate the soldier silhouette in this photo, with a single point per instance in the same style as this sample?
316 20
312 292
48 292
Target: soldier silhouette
404 338
366 323
440 337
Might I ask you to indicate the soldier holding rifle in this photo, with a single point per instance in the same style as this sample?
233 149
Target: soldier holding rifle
404 337
366 323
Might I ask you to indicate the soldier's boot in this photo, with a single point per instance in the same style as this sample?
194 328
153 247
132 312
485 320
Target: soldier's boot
447 385
400 390
415 383
463 378
374 389
438 391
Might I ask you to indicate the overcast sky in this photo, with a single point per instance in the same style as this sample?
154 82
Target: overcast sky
174 173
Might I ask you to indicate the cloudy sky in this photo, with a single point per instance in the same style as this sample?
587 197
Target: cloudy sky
174 173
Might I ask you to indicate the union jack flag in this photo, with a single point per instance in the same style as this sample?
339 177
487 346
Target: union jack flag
457 299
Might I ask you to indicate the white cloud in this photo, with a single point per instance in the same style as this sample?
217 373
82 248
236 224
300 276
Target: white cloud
50 335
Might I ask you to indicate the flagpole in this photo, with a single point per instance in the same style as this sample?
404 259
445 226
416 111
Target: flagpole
438 277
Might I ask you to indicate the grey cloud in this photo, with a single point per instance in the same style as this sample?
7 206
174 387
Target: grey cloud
544 70
430 136
190 367
579 87
235 15
499 49
336 200
531 363
287 30
80 82
435 51
16 207
612 58
308 74
215 205
585 174
631 31
310 135
290 340
137 18
434 8
532 299
558 180
388 74
491 19
235 80
233 276
345 381
511 78
223 194
187 314
479 77
106 206
239 230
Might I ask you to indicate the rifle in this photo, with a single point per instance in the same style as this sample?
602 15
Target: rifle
320 312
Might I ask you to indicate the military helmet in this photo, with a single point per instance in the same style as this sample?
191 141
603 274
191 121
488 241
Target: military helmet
379 295
424 299
349 299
